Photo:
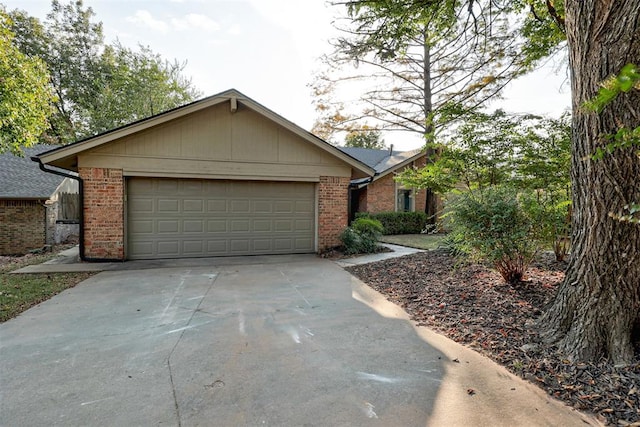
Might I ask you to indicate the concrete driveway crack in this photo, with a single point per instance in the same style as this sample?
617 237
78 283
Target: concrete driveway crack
212 280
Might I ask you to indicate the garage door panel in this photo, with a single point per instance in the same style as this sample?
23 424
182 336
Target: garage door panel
240 206
193 226
193 247
283 244
168 206
240 226
262 207
217 247
141 205
168 226
141 226
261 225
169 248
171 218
301 244
240 246
262 245
216 206
217 226
193 206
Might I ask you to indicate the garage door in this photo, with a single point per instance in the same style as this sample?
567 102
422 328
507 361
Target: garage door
182 218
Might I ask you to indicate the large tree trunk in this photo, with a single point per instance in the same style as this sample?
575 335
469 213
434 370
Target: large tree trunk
598 304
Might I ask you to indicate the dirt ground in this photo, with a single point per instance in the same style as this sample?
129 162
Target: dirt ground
470 304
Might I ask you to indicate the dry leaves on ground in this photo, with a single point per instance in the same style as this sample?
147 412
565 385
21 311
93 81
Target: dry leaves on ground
470 304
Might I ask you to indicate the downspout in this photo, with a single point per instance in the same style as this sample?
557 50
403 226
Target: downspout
81 200
356 186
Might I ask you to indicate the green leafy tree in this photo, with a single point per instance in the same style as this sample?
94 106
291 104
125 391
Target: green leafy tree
24 93
139 84
365 139
597 309
421 68
488 149
528 153
97 86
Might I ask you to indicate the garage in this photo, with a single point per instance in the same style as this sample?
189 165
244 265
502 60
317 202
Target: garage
185 218
222 176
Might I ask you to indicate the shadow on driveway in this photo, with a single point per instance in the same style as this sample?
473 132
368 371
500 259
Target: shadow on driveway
295 343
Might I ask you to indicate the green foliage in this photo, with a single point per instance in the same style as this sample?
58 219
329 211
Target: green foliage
493 149
627 79
362 236
24 93
530 154
364 139
398 222
550 213
97 86
140 84
624 138
493 225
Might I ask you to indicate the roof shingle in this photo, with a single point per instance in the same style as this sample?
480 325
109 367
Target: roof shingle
21 178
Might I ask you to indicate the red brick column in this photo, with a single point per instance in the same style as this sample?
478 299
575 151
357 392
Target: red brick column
333 210
103 213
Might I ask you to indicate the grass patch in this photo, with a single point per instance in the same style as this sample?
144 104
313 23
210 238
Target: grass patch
419 241
19 292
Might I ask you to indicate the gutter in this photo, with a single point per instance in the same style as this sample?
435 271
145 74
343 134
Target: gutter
80 190
358 185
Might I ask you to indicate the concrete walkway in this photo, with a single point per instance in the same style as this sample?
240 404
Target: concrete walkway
290 341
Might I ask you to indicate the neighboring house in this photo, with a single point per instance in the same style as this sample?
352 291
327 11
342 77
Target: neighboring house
382 193
220 176
31 210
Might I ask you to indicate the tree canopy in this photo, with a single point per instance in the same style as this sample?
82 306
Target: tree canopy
365 139
418 68
25 95
596 312
98 86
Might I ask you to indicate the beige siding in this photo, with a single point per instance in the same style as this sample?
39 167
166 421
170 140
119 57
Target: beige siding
215 143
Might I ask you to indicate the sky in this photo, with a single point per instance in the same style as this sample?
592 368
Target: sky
267 49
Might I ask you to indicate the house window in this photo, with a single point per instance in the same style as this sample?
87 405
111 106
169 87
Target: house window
405 201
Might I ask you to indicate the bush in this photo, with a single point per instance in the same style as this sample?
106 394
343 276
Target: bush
398 222
493 225
362 236
551 214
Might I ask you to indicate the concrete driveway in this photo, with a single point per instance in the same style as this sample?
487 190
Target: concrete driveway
288 341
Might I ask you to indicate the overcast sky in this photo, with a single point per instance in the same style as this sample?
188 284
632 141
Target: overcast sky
267 49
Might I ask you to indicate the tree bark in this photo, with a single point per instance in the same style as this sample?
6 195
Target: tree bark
597 309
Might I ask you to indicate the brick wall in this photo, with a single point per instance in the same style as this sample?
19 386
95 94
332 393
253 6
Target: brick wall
103 213
381 195
22 226
333 212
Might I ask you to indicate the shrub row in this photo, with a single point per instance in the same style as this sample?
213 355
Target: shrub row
398 222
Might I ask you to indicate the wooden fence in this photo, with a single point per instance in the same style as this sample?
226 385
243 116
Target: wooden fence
69 207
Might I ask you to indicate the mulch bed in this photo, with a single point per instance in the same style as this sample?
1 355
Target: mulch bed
470 304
